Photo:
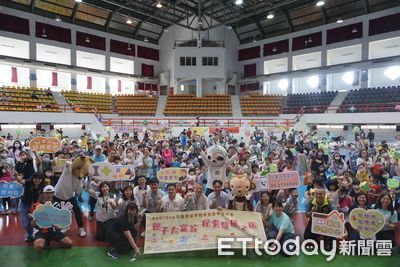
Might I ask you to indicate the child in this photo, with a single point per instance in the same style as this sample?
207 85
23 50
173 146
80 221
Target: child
362 174
189 181
5 176
288 166
321 174
374 189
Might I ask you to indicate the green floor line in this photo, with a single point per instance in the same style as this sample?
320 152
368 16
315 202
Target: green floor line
96 257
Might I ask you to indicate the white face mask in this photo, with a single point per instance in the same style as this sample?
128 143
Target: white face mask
384 155
4 155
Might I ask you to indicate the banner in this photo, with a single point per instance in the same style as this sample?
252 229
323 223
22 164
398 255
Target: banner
47 215
234 130
172 175
279 180
59 165
199 230
105 171
202 131
368 222
45 144
331 224
12 190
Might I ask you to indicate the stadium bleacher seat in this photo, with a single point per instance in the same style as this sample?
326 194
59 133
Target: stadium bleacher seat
261 105
136 105
89 102
313 102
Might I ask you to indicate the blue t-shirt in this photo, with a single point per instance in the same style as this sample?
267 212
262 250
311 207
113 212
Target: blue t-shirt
102 158
282 222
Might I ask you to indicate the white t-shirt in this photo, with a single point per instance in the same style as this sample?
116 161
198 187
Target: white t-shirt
177 204
138 193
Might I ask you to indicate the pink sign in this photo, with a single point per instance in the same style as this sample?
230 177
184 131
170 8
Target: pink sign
283 180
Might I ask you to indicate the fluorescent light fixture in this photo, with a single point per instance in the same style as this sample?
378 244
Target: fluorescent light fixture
78 1
182 87
159 4
274 49
339 20
330 126
129 21
87 40
348 77
354 30
145 39
57 18
129 47
238 2
44 35
18 126
283 84
313 81
320 3
254 40
392 73
68 126
270 15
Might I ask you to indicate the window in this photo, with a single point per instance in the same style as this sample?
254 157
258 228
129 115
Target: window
210 61
188 61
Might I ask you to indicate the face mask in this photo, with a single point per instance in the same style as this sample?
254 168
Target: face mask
4 171
17 145
4 156
48 174
129 154
337 158
353 148
320 154
384 155
386 176
46 160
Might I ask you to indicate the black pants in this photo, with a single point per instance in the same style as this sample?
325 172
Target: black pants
5 201
118 240
102 228
386 235
92 204
76 208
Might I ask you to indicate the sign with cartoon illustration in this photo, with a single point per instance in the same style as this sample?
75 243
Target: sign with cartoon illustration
199 230
172 175
331 224
124 172
45 144
368 222
12 190
102 171
59 165
47 216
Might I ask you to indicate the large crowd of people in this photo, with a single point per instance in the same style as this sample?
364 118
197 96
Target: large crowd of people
338 177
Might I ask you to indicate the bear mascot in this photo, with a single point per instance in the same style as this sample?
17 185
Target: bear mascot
70 183
217 162
240 197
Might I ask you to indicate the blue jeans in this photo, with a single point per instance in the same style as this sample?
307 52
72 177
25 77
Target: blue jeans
26 222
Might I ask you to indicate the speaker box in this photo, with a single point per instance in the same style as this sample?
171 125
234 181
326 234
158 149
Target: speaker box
345 127
51 127
314 127
38 127
397 128
83 126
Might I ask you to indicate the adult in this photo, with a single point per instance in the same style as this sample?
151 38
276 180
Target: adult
172 201
196 200
385 206
146 168
154 196
364 158
167 154
217 199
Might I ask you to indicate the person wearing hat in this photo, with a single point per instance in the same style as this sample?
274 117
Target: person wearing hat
98 154
46 235
6 160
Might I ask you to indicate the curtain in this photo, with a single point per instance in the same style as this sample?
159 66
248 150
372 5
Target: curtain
14 75
119 86
89 83
54 79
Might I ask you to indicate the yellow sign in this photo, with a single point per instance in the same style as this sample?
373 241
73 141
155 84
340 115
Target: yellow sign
45 144
199 230
171 175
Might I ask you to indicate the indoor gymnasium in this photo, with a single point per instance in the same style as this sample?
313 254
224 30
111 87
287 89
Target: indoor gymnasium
200 133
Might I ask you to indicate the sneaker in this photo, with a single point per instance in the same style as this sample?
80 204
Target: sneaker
133 259
28 239
82 232
112 252
65 230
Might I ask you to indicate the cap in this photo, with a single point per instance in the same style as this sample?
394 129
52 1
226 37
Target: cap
183 165
98 147
48 189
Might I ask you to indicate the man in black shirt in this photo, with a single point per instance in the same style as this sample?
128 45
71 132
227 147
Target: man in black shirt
121 232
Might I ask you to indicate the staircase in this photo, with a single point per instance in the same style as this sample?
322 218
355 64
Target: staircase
62 102
236 109
162 101
336 102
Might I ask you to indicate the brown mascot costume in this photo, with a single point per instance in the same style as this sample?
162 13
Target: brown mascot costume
240 196
70 183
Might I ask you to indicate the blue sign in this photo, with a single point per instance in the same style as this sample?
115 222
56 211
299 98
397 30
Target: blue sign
47 216
12 190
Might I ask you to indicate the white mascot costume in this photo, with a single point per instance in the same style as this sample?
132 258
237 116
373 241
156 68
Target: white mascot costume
217 162
70 183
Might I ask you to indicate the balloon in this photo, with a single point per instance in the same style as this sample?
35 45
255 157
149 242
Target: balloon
108 129
356 129
145 122
393 183
364 186
101 138
18 132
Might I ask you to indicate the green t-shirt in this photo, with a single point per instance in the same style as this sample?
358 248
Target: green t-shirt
282 222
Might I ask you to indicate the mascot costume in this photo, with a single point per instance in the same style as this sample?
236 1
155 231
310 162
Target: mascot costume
217 162
70 183
240 197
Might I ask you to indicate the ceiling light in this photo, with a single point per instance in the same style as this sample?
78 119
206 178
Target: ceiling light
87 40
238 2
354 30
44 35
270 16
129 21
320 3
313 81
309 40
393 72
348 77
159 5
254 40
339 20
274 49
57 18
283 84
145 39
129 47
78 1
182 87
229 27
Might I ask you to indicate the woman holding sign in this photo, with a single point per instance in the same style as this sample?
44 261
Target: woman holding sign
385 206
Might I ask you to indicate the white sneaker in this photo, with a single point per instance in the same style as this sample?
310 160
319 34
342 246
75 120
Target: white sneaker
142 234
82 232
64 230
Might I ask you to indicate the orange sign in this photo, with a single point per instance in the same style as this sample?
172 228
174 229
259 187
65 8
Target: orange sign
45 144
